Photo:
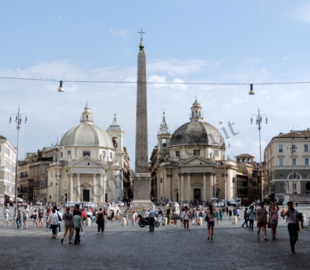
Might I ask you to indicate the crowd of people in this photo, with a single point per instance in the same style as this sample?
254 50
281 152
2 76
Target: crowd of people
74 219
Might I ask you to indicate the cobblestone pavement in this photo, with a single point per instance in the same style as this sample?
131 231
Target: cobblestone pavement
168 247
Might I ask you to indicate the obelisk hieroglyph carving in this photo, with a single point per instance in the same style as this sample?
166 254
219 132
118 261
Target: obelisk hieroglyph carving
142 177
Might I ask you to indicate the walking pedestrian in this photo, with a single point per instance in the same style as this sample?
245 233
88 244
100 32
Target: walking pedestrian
100 221
19 218
217 216
261 217
273 219
168 216
211 216
25 217
230 214
152 214
6 216
77 220
251 215
41 217
133 218
185 218
35 218
175 217
292 224
246 217
53 221
67 218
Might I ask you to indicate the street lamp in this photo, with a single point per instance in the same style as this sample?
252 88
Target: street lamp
57 172
225 175
259 120
18 120
293 149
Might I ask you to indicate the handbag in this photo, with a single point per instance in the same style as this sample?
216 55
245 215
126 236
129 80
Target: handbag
207 217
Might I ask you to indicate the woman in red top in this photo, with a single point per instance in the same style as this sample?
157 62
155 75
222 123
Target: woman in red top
273 219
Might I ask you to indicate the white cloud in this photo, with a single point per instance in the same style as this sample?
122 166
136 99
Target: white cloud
174 67
51 114
303 13
122 33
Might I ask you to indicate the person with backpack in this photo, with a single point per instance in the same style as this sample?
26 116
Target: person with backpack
251 217
210 216
292 224
67 217
273 219
261 217
53 221
100 221
246 218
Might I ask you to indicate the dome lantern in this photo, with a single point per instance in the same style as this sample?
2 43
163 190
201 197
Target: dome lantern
196 112
87 116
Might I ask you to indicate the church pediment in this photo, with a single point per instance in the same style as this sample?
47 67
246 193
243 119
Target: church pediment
197 161
86 162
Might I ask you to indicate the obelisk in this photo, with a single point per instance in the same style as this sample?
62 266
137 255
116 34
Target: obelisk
142 177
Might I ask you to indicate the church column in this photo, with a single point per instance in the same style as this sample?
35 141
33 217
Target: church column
71 188
94 187
214 185
211 186
182 187
189 197
78 187
204 186
171 188
101 189
105 190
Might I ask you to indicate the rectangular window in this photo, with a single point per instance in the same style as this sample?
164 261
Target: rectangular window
216 153
69 153
281 148
177 154
281 176
280 161
86 153
281 187
306 148
306 161
294 186
61 154
294 161
196 152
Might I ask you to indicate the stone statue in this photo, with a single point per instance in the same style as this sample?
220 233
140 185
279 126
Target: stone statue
286 187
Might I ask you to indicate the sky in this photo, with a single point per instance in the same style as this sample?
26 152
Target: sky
198 41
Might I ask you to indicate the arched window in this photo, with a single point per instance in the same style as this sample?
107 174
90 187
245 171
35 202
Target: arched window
87 117
294 176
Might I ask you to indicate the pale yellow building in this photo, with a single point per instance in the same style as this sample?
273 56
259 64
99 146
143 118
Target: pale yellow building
7 170
90 166
191 164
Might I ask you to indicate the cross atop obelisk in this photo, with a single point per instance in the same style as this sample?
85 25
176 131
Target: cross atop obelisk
141 42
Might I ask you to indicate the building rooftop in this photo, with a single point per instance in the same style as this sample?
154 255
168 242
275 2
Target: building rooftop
295 134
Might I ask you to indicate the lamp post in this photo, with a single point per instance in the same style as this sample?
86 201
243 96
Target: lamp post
18 120
259 120
57 172
225 175
293 150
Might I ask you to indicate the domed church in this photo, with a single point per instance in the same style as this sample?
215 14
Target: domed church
92 163
189 164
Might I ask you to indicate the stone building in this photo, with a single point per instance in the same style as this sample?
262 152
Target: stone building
189 162
7 170
287 171
89 164
248 177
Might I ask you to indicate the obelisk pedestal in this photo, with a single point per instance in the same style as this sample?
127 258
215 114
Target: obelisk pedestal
142 177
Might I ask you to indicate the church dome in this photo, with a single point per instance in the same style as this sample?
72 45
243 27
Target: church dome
86 134
196 132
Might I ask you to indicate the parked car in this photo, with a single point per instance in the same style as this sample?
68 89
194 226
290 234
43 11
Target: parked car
279 202
38 203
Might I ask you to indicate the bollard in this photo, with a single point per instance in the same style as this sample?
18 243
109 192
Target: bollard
234 220
165 221
124 222
88 221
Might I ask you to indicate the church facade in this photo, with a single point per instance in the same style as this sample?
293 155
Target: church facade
189 164
91 164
